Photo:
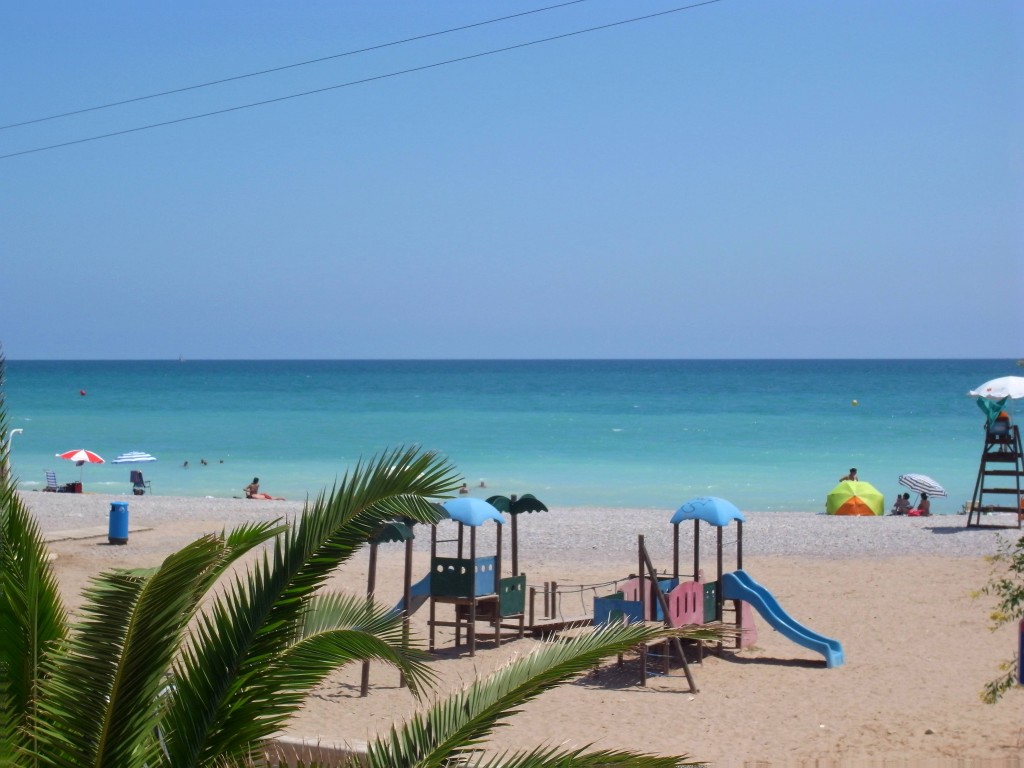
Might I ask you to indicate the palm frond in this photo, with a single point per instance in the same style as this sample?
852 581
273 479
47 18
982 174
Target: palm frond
225 700
552 757
98 700
32 614
457 725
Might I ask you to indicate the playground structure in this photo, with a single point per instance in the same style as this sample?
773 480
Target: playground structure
473 585
690 600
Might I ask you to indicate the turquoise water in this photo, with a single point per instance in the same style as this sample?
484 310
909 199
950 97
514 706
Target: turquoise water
768 435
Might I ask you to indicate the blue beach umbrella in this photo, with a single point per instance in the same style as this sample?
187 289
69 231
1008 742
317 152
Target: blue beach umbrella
133 457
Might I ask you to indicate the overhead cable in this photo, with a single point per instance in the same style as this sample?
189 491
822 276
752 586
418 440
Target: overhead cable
356 82
285 66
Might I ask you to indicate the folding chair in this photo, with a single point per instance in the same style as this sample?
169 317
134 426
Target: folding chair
139 486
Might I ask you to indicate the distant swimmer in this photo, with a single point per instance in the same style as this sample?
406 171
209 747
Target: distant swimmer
851 476
203 462
464 488
185 465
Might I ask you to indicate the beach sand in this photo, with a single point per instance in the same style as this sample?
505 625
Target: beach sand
896 592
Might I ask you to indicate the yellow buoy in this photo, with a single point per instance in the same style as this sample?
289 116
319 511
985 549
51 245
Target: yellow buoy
854 403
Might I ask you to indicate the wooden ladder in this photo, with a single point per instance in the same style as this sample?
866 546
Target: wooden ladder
999 475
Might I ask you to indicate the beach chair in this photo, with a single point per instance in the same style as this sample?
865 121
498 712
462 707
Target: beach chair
139 486
51 482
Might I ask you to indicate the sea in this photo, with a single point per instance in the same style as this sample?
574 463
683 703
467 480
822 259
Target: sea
768 435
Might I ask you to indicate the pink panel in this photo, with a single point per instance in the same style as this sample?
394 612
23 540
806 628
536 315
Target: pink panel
686 604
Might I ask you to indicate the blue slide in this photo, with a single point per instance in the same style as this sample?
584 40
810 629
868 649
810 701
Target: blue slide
739 586
419 594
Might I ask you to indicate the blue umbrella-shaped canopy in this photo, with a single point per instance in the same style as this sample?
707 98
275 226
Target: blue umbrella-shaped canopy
471 511
710 509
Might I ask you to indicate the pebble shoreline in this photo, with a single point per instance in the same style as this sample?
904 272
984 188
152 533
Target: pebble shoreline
574 533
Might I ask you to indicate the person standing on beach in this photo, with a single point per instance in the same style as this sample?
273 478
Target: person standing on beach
852 476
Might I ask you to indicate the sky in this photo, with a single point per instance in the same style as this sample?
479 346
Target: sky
741 179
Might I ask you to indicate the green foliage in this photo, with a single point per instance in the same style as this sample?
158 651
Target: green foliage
1008 587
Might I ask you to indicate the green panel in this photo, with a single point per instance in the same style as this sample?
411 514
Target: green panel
451 577
512 595
710 593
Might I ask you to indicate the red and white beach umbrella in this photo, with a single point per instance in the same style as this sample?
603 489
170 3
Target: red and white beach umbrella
81 456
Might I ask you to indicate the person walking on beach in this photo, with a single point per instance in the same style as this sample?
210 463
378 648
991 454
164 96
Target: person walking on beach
852 476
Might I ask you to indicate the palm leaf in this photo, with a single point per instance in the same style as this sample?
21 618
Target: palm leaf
32 614
98 702
225 700
552 757
456 726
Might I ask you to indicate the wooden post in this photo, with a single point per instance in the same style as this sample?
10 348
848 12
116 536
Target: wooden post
696 550
407 598
675 550
718 590
433 605
471 629
497 561
515 545
739 545
371 585
645 613
676 644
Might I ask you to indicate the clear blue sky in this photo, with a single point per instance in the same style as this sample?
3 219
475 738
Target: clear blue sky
746 179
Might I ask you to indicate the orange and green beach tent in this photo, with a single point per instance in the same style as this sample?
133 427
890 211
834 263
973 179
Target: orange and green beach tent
854 497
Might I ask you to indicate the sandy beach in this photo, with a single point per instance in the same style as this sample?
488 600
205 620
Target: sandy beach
896 592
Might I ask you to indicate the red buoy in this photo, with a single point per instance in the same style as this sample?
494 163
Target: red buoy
81 392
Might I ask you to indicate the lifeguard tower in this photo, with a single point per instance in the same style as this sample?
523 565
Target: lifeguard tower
1002 462
999 474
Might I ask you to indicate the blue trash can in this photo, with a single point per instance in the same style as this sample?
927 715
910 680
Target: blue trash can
117 533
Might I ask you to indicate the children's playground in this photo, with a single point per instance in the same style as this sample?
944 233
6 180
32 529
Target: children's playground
472 593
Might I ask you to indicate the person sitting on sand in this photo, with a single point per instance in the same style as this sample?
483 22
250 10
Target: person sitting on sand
851 476
923 508
902 504
252 491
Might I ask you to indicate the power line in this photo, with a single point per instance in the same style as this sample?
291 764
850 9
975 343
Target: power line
284 67
357 82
